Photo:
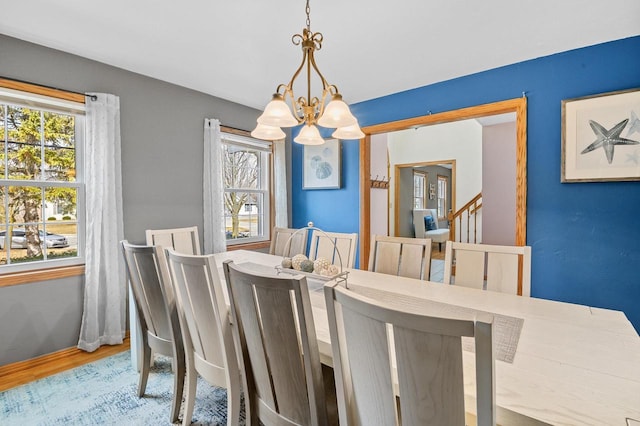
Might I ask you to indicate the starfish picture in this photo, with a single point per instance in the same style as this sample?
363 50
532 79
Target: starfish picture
608 139
634 126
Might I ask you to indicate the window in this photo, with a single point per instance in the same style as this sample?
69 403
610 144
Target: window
41 186
247 188
419 190
443 183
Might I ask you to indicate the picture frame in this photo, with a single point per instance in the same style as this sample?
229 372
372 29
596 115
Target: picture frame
601 137
321 165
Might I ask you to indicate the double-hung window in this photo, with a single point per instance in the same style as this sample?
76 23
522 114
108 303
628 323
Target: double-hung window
41 182
419 190
443 184
247 188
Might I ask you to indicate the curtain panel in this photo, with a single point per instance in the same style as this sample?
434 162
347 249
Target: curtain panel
104 315
213 187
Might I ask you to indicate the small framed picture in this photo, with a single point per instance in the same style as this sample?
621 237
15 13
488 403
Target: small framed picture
601 137
321 165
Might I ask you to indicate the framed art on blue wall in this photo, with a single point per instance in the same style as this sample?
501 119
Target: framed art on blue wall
321 165
601 137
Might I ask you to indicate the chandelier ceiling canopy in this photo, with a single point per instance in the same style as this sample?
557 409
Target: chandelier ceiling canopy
310 111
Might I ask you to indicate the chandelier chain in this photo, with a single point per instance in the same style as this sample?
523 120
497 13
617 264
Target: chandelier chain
308 10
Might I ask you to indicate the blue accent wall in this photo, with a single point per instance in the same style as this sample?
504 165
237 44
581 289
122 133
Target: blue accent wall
585 237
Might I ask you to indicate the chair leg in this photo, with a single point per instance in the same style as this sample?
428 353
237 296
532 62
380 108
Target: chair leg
440 247
233 399
178 386
192 379
144 370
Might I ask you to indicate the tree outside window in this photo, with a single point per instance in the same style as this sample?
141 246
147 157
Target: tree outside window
38 187
246 188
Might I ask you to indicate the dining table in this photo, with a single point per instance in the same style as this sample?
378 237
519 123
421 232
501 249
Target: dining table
556 363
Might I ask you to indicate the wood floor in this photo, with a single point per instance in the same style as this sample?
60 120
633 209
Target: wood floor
23 372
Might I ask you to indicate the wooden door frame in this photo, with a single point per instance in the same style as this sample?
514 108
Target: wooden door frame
517 105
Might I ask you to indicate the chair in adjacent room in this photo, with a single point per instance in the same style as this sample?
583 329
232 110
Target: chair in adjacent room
433 231
405 257
329 244
506 269
204 320
156 307
275 334
285 243
182 240
369 339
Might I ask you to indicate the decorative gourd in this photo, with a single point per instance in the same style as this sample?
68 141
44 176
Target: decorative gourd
333 269
306 266
319 264
286 263
296 260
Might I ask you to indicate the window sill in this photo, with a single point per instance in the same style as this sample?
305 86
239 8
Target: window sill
17 278
249 246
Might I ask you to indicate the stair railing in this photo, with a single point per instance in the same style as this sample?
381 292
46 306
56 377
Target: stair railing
467 215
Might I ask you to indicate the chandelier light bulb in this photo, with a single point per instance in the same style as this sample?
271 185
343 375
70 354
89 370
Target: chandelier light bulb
348 132
277 113
268 133
309 135
337 114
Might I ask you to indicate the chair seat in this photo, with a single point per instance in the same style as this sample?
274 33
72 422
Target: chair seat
437 235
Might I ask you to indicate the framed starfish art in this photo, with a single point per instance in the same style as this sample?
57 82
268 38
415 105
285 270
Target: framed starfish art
601 137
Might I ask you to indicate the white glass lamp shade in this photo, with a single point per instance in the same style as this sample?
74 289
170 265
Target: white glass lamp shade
268 133
348 132
309 135
337 114
277 114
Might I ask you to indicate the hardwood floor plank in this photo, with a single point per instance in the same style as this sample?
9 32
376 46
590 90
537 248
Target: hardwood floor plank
20 373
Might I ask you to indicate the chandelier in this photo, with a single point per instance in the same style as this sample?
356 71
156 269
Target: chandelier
310 111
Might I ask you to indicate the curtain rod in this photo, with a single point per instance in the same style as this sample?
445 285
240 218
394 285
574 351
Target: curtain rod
92 97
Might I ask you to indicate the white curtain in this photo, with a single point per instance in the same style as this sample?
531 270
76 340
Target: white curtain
105 291
214 235
280 184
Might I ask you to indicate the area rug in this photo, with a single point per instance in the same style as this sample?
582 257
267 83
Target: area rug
105 393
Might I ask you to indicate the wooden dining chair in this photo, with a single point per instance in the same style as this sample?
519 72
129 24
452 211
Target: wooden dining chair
329 244
155 304
285 243
369 338
405 257
204 319
275 335
506 269
182 240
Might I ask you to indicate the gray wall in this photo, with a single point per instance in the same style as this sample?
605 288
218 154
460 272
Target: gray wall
162 161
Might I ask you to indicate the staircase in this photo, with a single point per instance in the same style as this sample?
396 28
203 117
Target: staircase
465 223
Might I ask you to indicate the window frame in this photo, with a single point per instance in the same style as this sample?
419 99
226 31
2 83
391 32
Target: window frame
41 98
444 179
244 139
425 180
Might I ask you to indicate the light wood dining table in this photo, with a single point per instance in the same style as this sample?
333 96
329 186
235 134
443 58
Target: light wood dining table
573 364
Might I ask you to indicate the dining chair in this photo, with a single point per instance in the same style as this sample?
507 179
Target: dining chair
275 336
405 257
506 269
182 240
206 330
369 338
285 243
329 244
155 304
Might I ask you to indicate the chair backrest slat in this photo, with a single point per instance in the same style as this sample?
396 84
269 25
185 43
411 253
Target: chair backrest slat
369 338
326 244
492 267
287 242
274 329
182 240
406 257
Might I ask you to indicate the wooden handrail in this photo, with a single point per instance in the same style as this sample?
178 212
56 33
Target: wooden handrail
471 208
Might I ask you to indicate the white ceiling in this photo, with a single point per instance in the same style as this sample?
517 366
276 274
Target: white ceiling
241 50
